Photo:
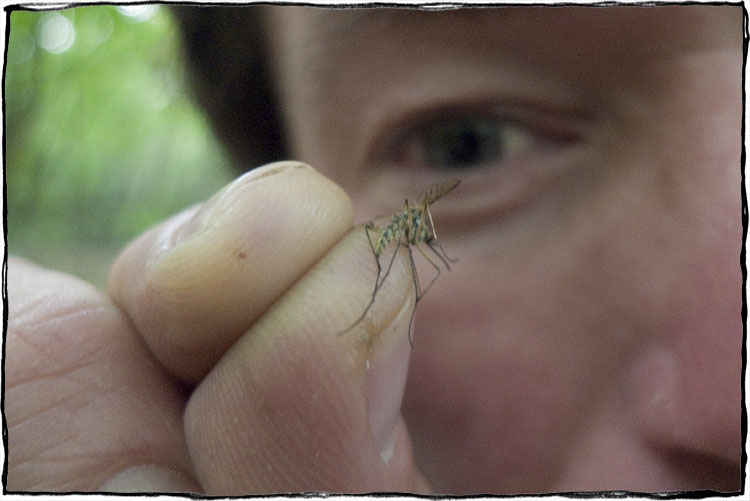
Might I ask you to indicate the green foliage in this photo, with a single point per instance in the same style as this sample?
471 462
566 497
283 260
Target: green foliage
102 139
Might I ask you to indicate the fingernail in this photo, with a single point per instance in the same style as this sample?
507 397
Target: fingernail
149 478
387 369
214 206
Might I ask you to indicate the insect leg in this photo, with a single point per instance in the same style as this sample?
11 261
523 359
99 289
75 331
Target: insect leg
429 216
368 227
434 246
390 264
371 226
434 241
415 277
422 293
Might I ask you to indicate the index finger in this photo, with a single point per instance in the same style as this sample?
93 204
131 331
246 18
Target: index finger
195 283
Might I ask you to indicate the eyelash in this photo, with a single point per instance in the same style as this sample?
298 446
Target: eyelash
460 140
515 151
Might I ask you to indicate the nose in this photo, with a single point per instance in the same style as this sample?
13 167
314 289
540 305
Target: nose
686 377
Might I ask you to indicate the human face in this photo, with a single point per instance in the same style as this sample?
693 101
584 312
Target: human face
589 336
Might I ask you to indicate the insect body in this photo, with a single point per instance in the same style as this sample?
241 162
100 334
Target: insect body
410 227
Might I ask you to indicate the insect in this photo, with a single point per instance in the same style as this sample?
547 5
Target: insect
410 227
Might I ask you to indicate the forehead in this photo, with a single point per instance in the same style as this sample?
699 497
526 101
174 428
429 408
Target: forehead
339 28
333 30
318 43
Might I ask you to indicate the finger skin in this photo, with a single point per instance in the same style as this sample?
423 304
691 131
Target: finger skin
290 407
194 284
84 398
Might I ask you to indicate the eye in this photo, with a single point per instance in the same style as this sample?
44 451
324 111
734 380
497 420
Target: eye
459 142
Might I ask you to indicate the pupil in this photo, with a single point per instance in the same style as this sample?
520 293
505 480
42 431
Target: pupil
462 143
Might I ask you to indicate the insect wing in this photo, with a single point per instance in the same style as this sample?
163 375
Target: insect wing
439 190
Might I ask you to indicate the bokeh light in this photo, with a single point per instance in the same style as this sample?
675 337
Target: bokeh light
55 33
138 13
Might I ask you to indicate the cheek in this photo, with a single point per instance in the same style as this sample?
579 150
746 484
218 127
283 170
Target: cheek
628 299
502 368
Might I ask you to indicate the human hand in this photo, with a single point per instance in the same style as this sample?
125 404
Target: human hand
215 365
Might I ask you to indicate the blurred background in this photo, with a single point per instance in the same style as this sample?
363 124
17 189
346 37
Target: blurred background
102 139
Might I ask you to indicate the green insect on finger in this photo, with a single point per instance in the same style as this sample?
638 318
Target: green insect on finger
410 227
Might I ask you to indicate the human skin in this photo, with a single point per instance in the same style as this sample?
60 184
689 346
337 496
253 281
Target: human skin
590 335
588 338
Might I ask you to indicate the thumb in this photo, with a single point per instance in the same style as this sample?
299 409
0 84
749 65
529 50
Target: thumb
298 405
195 283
